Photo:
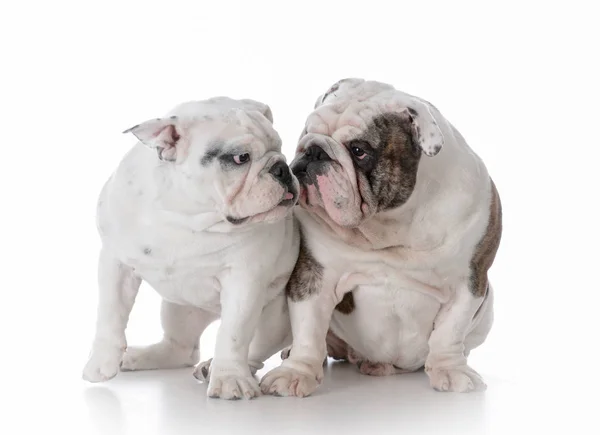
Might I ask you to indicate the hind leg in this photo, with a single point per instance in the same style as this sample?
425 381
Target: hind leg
482 323
182 326
456 327
379 369
340 350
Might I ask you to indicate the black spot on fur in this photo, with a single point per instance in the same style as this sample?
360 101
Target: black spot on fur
212 153
204 371
346 305
147 251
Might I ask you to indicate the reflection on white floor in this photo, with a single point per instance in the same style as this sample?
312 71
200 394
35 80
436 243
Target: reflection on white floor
173 402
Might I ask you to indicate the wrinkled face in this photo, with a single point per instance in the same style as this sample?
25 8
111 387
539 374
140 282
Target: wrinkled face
360 151
229 159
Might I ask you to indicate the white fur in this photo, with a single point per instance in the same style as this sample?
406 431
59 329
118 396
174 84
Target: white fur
409 267
164 221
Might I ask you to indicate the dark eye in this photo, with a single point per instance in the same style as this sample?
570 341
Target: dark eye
358 152
241 158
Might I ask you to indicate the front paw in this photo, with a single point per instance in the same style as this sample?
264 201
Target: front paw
285 381
231 383
102 365
461 379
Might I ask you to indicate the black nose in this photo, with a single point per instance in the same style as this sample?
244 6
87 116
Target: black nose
314 153
281 172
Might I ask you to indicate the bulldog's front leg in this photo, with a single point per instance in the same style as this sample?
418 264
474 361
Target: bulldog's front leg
241 304
310 314
118 287
446 363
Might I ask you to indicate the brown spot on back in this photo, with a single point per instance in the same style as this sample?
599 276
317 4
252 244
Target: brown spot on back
307 277
485 251
346 305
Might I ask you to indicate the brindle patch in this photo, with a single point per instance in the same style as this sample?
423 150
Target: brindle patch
346 305
485 251
390 167
307 277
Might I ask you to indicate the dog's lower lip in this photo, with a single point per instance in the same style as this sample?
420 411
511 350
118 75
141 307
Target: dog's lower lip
236 221
288 199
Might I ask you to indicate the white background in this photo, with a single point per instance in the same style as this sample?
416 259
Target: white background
518 79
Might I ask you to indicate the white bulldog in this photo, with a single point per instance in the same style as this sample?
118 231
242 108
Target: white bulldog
400 222
200 209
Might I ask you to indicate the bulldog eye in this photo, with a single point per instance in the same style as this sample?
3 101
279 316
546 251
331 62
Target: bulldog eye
358 152
240 159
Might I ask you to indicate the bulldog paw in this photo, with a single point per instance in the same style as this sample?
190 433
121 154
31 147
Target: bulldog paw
162 355
102 365
233 387
284 381
455 379
376 369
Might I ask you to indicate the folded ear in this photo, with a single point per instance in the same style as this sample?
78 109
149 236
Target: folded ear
350 81
330 91
263 108
163 134
425 130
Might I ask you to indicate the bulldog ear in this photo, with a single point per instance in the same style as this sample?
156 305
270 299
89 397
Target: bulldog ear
267 113
263 108
163 134
425 130
330 91
350 81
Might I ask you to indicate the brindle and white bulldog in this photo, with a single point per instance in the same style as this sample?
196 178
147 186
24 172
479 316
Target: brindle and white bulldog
400 222
200 209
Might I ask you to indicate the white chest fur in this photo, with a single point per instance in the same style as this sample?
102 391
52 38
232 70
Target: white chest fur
182 262
394 308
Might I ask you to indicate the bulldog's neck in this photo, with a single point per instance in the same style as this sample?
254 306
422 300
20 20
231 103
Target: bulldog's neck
379 232
401 227
173 205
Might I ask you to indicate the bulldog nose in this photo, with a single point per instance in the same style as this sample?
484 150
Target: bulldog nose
281 172
314 153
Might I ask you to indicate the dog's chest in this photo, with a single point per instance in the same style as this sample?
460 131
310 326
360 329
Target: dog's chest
393 310
181 265
391 322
